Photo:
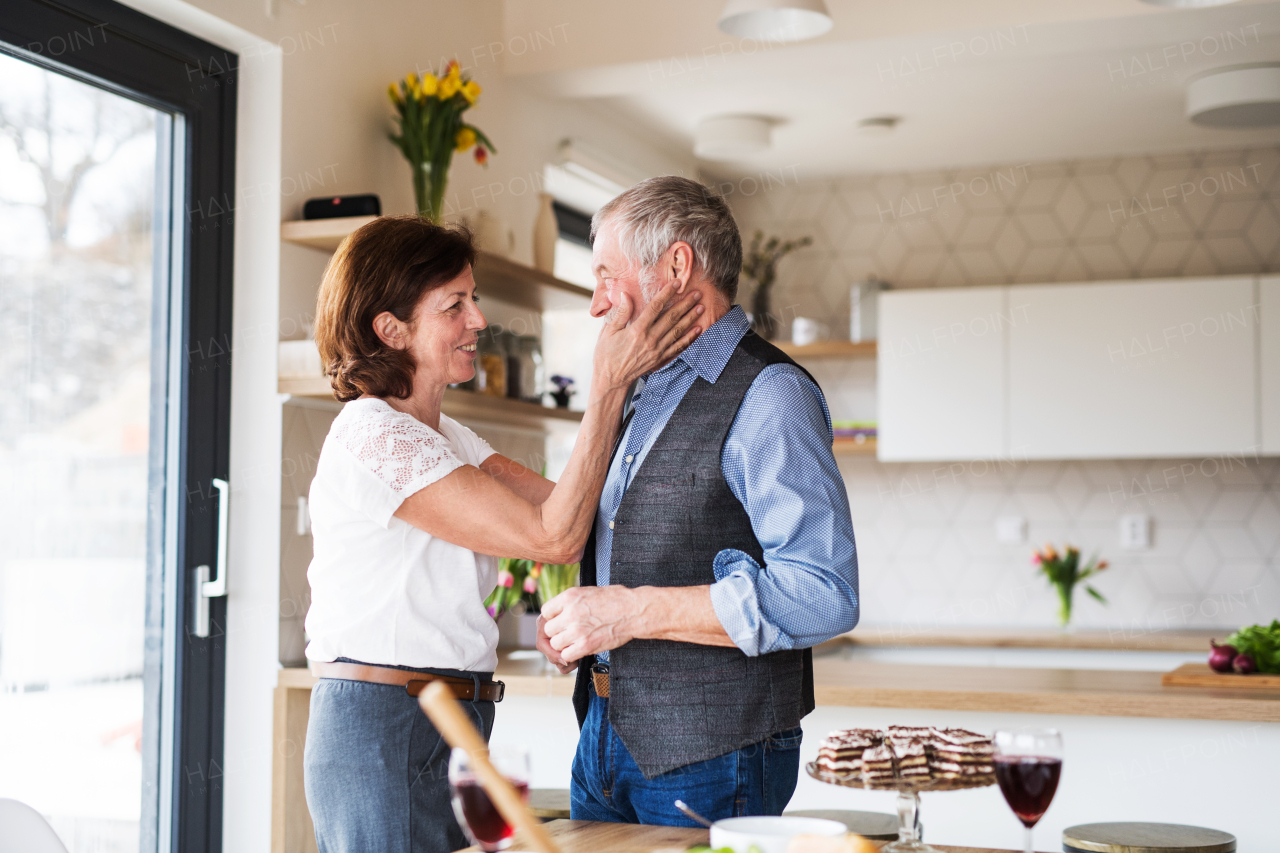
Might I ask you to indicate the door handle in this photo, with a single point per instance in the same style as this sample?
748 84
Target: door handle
205 587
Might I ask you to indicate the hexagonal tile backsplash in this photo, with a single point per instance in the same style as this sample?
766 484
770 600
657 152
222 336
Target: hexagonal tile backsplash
927 545
928 553
1203 213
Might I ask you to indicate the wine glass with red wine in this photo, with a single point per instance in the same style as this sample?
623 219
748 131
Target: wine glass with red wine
479 817
1028 765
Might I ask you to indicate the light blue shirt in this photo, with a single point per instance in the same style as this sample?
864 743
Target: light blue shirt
777 461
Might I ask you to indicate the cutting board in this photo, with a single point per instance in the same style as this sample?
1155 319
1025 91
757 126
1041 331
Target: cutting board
1199 675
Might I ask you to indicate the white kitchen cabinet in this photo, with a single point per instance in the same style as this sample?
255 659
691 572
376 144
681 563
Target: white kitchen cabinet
940 373
1134 369
1269 363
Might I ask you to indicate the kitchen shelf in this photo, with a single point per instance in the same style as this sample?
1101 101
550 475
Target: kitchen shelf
458 404
853 447
323 234
830 349
495 275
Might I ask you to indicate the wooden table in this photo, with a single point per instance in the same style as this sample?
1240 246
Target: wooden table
584 836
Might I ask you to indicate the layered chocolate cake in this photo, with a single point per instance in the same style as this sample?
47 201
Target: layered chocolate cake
841 753
916 755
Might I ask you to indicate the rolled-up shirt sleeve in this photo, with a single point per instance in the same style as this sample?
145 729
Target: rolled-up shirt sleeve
778 462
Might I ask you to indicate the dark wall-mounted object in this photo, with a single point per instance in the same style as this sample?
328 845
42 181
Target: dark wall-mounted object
574 225
342 205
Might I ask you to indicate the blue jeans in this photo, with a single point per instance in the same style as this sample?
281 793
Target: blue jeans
607 785
376 772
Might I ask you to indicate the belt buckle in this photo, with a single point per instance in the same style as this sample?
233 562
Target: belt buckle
502 690
600 668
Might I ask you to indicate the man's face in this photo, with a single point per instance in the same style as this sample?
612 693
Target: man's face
614 276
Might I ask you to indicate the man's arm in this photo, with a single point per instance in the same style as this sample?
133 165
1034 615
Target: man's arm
778 462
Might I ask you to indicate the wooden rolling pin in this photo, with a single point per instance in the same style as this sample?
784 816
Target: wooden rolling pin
452 723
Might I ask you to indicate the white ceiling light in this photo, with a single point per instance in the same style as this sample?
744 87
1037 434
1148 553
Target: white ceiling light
1189 4
1242 97
775 20
730 137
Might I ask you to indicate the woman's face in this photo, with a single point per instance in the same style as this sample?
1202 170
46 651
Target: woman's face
447 324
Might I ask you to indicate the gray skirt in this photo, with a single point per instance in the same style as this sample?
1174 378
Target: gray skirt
376 772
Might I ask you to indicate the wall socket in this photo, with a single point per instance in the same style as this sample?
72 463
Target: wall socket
1135 532
1011 530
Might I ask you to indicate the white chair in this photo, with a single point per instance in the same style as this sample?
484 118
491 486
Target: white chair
23 830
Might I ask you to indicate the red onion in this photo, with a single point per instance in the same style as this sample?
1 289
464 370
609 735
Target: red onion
1245 665
1222 657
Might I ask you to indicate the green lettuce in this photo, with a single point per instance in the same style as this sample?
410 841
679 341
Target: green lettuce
1260 642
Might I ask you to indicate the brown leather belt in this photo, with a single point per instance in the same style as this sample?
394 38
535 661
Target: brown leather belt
414 682
600 679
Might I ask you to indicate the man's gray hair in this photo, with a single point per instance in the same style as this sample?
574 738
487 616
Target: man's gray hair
656 213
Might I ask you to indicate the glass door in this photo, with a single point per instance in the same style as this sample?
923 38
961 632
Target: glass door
116 170
77 206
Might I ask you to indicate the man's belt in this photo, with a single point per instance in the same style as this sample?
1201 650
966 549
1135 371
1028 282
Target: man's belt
413 682
600 679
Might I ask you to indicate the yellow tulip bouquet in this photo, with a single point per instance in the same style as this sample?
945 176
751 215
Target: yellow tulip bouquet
429 111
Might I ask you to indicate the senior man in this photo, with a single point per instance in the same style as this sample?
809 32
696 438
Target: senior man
722 548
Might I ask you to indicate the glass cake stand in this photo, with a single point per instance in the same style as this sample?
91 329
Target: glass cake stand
908 803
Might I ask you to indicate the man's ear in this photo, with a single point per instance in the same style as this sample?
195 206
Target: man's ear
681 265
391 330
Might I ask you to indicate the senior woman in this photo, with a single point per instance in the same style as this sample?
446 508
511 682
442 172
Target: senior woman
409 511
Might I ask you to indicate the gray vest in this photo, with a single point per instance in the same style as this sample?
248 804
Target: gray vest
675 704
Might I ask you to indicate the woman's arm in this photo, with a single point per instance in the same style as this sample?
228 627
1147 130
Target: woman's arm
472 508
525 482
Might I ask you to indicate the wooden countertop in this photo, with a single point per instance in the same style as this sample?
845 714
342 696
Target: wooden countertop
583 836
1119 639
1086 692
839 682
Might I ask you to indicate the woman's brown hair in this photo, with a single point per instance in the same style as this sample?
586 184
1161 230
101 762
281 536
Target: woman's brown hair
388 265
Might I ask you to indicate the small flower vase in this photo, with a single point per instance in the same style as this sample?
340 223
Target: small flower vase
762 319
545 233
1065 594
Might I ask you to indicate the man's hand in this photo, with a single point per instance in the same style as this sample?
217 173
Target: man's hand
587 620
543 644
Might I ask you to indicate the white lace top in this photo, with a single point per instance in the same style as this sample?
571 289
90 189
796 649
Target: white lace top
383 591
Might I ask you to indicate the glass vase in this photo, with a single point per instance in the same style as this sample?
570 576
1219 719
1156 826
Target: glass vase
429 181
1064 607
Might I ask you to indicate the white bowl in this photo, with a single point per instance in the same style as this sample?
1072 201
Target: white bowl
769 834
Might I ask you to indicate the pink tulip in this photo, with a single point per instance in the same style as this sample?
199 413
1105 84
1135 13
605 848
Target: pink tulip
1035 558
505 578
530 584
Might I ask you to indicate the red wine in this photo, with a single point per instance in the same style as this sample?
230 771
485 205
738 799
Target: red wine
1028 783
486 822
